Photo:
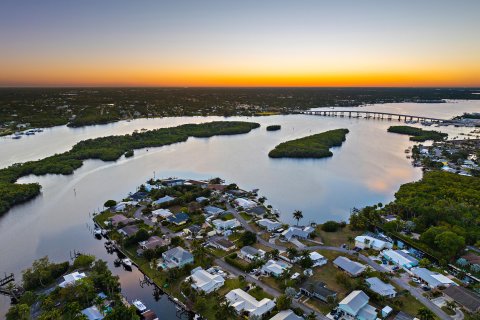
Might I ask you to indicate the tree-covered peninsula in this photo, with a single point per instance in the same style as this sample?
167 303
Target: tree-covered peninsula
418 134
108 148
314 146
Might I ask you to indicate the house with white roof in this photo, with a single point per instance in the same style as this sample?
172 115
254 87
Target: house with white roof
245 203
353 268
243 302
275 268
401 258
381 288
298 232
367 242
356 306
205 281
317 259
92 313
432 279
71 278
225 224
251 253
163 213
286 315
268 224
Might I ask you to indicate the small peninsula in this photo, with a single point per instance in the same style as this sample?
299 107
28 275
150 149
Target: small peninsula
418 134
314 146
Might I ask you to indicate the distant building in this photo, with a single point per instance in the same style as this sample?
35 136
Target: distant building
317 259
356 306
401 258
206 282
403 316
353 268
173 182
201 199
381 288
258 211
367 242
120 219
243 302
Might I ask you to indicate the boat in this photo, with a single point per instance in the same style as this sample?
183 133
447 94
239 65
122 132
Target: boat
127 262
97 232
139 305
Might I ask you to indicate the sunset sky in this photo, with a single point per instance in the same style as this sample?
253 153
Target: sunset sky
240 43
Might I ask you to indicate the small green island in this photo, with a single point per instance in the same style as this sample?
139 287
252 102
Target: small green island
274 127
109 148
314 146
418 134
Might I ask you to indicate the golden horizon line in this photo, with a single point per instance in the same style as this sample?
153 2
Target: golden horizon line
239 86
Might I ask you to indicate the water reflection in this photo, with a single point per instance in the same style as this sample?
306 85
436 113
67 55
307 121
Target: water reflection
367 169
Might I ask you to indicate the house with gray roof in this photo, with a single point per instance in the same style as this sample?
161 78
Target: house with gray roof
317 289
432 279
381 288
356 305
353 268
297 232
468 299
213 211
251 253
128 231
163 200
175 258
92 313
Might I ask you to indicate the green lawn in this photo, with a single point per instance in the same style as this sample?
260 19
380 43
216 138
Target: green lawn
336 239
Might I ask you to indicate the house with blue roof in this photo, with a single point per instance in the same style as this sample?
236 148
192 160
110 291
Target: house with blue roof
179 218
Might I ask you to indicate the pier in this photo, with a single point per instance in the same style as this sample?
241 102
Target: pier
9 288
374 115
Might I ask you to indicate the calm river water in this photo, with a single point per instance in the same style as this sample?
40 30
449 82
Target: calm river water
368 168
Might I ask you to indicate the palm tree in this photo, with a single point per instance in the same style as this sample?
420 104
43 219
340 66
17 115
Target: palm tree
425 314
311 316
297 215
292 253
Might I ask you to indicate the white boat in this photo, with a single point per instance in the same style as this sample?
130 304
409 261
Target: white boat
127 262
139 305
97 231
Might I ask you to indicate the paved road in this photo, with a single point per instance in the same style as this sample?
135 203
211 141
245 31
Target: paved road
271 291
400 282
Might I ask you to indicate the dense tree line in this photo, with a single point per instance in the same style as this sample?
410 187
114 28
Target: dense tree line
443 207
314 146
108 148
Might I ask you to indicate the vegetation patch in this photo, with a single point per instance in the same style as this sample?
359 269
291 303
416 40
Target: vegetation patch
274 127
418 134
314 146
108 148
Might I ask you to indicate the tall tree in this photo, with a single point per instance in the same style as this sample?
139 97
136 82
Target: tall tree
297 215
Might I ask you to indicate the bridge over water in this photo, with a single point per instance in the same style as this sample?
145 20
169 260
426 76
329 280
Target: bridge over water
373 115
